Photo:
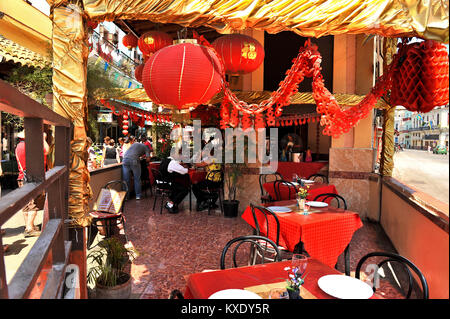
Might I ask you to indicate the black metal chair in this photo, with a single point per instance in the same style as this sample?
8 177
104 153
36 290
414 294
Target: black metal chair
393 259
325 196
254 240
216 191
291 187
266 216
263 178
319 178
162 188
106 220
176 294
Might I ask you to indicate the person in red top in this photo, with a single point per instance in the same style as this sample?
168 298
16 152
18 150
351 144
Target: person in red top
145 141
30 210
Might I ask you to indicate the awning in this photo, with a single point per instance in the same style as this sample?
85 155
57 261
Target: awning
11 51
391 18
139 95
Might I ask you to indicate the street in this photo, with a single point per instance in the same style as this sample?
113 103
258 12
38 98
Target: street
426 172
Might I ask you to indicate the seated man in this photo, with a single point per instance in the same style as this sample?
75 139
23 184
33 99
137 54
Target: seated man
200 189
169 169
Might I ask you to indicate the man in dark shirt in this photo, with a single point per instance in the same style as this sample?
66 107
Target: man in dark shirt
131 165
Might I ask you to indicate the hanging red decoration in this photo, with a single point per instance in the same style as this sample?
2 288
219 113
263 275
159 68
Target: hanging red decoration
240 53
259 121
125 132
92 24
138 72
270 117
421 76
130 41
183 75
125 127
224 115
152 41
246 122
234 117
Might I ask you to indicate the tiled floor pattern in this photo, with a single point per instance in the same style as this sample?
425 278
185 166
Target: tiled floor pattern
173 246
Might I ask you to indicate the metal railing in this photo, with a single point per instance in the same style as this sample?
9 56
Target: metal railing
53 239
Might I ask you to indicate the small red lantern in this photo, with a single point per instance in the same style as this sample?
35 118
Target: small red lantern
130 41
125 127
152 41
183 75
420 78
240 53
125 132
92 24
138 72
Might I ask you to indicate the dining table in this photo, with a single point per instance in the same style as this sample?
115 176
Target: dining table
324 233
314 189
258 279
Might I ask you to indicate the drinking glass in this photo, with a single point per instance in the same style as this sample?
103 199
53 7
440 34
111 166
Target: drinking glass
300 261
278 293
305 209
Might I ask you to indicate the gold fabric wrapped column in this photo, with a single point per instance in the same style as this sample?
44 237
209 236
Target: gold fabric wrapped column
387 152
70 53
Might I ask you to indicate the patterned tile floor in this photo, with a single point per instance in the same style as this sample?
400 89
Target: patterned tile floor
173 246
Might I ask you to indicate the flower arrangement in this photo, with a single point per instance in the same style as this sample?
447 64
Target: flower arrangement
303 192
296 279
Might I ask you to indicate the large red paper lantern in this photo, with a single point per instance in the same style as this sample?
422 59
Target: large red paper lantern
92 24
130 41
420 78
182 75
152 41
240 53
138 72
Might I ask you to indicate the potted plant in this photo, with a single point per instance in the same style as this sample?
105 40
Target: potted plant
231 175
111 279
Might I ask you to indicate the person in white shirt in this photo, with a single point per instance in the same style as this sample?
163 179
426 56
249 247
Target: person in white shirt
169 169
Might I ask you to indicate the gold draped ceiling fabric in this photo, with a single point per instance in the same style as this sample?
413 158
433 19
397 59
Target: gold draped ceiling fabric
427 19
139 95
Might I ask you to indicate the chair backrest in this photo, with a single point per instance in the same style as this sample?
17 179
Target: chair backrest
266 215
319 177
255 241
158 177
406 265
330 196
292 190
263 178
176 294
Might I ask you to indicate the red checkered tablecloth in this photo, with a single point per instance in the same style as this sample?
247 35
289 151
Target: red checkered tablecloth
324 233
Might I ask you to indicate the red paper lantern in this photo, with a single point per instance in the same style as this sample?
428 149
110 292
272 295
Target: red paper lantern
138 72
182 75
240 53
125 132
125 127
125 117
420 78
130 41
152 41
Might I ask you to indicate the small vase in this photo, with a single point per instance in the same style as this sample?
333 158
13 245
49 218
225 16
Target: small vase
301 203
294 294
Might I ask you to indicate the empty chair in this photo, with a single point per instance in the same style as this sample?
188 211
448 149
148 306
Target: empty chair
284 190
162 188
264 219
266 178
330 198
397 270
319 178
260 243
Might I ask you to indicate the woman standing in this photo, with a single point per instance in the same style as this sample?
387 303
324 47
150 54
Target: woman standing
111 154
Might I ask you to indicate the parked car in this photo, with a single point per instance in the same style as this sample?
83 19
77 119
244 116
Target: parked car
440 150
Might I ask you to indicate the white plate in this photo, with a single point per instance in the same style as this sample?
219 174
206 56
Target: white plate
279 209
307 181
234 294
317 204
345 287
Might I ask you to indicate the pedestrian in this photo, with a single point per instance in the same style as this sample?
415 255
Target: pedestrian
31 209
131 165
111 154
145 141
120 146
